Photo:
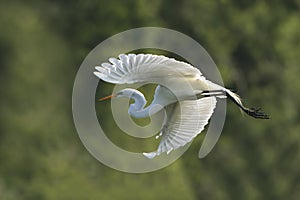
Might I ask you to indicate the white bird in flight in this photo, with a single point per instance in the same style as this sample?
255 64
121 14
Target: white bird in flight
188 110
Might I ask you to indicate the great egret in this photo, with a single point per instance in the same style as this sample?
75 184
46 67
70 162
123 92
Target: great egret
188 110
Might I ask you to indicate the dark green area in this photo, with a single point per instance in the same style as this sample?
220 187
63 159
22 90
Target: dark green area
256 46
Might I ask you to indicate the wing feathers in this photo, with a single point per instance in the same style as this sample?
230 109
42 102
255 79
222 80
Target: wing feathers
134 68
184 123
185 119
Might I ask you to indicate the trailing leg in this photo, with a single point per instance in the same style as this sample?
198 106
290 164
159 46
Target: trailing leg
253 112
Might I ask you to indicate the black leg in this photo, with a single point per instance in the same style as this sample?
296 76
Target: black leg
211 93
253 112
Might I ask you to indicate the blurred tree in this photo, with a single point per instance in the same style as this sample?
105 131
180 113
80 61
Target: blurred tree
256 46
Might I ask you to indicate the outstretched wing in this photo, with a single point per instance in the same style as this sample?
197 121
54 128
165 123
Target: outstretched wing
149 68
185 120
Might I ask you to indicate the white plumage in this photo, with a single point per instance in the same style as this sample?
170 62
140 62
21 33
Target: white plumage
189 104
184 123
143 68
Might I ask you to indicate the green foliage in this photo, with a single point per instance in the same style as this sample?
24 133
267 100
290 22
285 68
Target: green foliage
255 44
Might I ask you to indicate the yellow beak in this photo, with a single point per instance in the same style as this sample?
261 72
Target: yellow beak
105 98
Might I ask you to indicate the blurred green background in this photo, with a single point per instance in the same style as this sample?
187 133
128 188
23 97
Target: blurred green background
255 44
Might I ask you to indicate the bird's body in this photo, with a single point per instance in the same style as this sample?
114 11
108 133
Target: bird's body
188 97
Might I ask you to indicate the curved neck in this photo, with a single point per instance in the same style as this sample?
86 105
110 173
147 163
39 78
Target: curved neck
137 109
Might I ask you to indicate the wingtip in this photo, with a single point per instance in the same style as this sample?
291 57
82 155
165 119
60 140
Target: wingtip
150 155
98 68
97 74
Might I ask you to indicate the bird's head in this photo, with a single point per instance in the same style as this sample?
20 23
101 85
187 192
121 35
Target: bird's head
128 93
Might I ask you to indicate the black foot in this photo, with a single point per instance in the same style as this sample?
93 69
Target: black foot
256 113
